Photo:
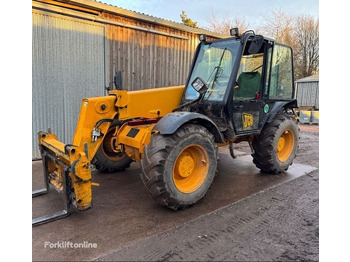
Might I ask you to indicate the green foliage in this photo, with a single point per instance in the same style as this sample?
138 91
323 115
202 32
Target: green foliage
187 21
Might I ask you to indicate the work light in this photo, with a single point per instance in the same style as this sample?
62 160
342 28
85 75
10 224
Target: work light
234 31
202 37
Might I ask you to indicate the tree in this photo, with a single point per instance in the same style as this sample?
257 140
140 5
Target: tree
187 21
301 33
280 26
307 46
223 26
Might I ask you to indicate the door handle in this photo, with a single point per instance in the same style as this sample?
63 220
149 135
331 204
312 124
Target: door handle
238 107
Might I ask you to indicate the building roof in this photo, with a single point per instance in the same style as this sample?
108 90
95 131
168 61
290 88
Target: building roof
103 7
312 78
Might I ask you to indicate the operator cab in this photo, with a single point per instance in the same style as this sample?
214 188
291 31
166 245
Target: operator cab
244 77
214 65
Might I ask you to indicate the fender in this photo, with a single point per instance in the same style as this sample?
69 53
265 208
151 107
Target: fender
172 121
278 106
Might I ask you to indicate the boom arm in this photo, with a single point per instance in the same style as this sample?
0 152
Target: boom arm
96 116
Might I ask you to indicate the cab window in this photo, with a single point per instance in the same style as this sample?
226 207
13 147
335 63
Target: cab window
281 78
249 76
214 66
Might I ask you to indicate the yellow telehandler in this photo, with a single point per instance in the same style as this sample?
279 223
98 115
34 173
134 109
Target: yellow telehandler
239 89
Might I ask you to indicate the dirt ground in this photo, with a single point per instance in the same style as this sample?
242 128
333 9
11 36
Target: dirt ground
308 152
246 216
277 224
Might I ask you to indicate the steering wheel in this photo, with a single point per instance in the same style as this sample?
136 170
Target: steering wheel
219 89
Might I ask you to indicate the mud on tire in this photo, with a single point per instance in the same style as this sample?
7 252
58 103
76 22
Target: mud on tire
161 158
276 146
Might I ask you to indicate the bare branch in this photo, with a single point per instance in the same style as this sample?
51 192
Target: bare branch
224 24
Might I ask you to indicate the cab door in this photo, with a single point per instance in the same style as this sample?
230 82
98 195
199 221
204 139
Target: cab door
248 98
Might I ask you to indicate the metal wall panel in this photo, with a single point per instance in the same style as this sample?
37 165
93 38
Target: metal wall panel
308 94
75 58
68 64
147 59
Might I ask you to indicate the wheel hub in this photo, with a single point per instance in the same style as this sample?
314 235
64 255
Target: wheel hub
185 166
281 143
190 168
285 145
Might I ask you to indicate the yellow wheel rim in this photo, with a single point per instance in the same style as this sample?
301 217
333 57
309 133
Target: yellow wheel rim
285 145
191 168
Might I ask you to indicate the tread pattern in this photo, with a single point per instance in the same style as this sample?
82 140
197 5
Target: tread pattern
263 144
118 166
155 157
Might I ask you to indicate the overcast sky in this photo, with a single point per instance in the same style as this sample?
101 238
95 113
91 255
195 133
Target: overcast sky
200 10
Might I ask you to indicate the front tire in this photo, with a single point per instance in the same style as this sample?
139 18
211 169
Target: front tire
108 161
276 146
178 169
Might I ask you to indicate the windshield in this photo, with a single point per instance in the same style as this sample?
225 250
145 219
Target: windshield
214 65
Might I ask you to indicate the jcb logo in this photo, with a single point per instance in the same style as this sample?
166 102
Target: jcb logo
247 120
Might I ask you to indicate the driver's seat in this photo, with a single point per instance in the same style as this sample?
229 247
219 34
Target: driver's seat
248 85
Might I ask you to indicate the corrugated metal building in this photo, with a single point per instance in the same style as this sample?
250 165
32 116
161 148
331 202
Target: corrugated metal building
308 92
77 45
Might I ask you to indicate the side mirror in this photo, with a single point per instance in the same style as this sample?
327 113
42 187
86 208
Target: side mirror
118 80
199 85
256 44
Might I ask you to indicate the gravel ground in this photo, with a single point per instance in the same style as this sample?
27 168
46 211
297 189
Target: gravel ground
277 224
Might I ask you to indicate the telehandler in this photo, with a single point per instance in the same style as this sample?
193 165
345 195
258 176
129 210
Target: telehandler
240 88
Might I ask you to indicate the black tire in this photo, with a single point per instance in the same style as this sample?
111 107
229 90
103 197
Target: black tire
269 155
161 158
108 161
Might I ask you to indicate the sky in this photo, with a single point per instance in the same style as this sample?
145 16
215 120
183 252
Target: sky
200 10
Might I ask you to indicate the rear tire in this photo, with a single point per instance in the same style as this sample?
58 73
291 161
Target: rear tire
178 169
108 161
276 146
